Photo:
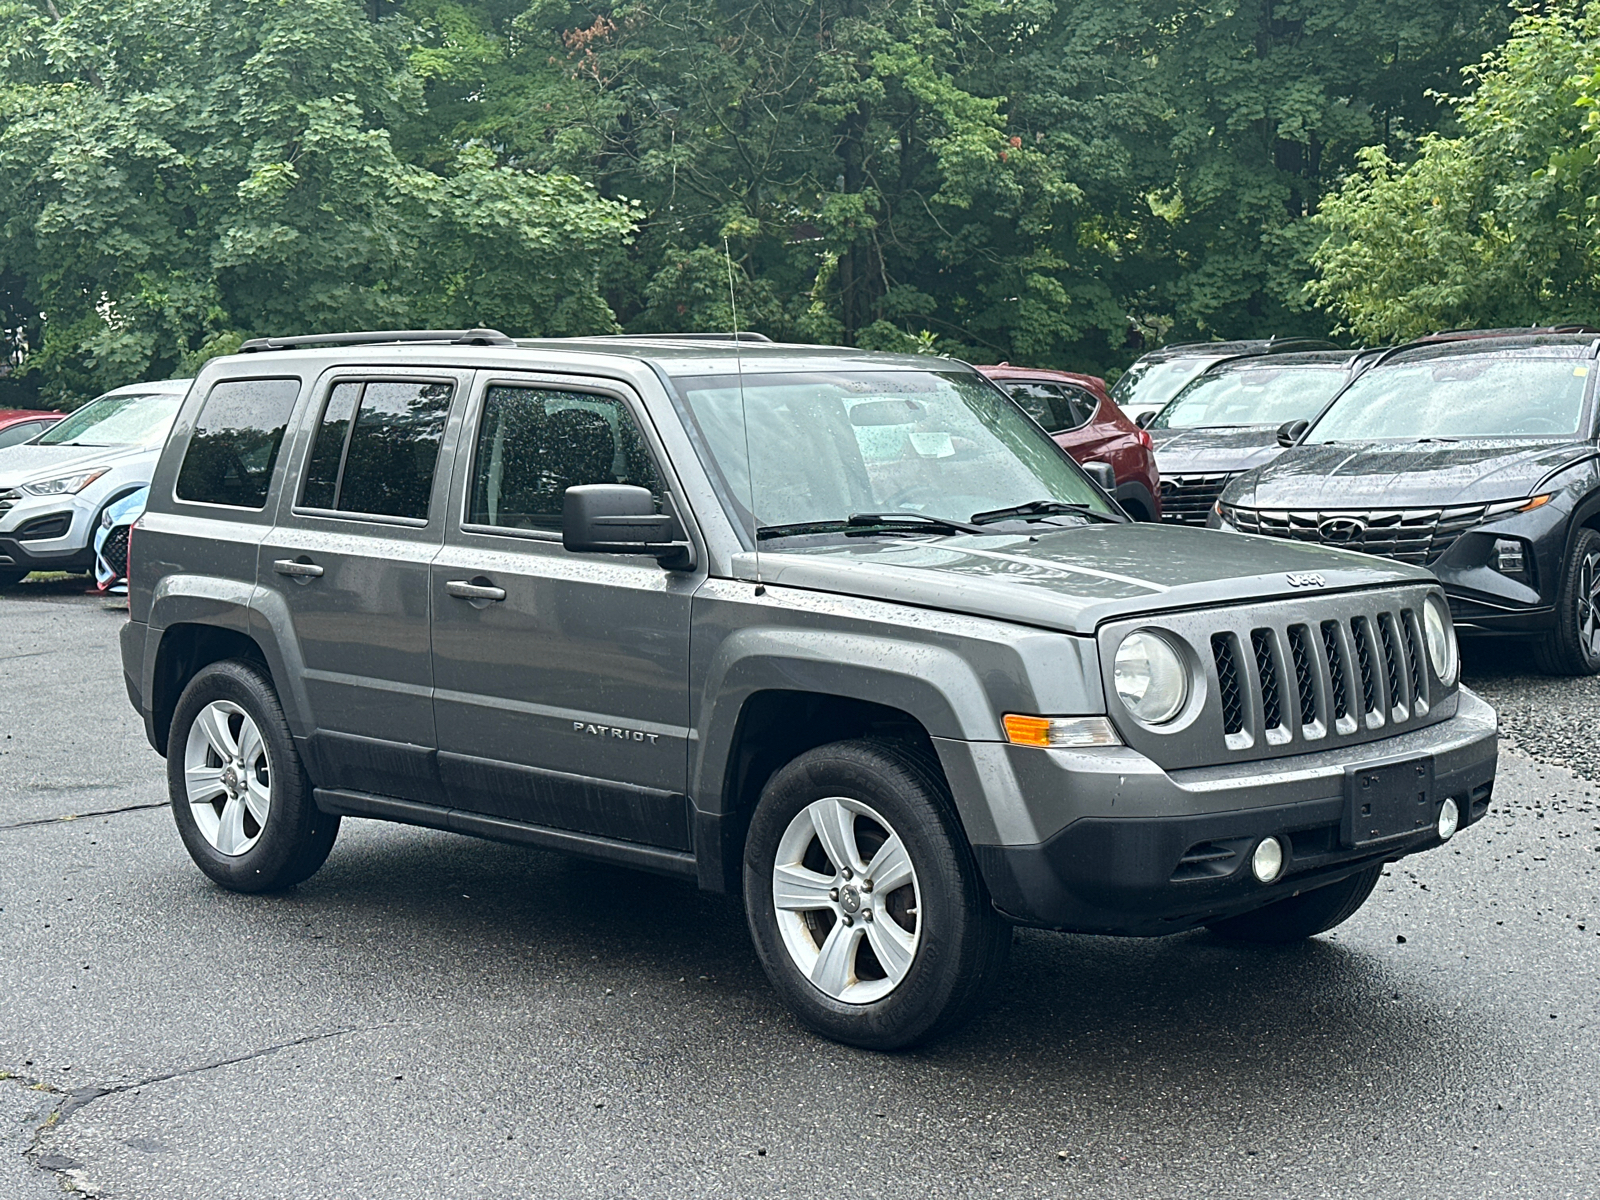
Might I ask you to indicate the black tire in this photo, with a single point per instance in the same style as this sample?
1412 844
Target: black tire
1573 646
10 578
296 836
1302 916
962 943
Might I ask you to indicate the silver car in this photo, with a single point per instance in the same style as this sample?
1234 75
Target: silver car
53 490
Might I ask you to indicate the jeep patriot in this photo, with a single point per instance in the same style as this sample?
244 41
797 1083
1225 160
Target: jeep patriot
844 633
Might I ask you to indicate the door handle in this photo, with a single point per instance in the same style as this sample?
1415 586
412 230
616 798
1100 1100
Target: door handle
473 591
299 570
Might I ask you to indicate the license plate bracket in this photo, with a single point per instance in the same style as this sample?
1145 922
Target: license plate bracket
1387 801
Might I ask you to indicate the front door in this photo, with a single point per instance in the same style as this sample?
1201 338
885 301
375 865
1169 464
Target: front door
561 679
347 563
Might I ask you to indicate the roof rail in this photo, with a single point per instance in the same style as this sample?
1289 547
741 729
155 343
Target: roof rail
455 337
744 335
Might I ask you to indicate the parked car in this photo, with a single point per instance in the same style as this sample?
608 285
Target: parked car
1225 422
844 632
1158 376
54 489
1475 458
111 541
1078 414
18 425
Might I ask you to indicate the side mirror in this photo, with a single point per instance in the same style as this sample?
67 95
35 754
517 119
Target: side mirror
1143 419
1102 474
1291 432
618 518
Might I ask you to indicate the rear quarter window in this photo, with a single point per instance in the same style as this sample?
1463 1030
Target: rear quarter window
235 446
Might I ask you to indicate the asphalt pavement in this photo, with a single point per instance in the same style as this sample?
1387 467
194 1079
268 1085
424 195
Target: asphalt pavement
431 1016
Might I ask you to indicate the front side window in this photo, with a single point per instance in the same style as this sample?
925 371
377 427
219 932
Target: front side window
1460 396
377 448
827 445
129 420
1251 396
535 443
235 443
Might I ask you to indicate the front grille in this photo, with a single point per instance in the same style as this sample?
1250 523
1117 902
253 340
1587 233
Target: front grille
114 550
8 500
1411 535
1294 675
1187 499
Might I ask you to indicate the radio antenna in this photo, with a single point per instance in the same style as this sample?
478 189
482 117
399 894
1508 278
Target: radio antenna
744 420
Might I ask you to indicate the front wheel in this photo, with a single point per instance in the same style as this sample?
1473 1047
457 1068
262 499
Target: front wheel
240 798
1299 917
10 578
1573 646
864 901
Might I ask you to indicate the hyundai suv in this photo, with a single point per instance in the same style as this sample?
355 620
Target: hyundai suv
844 633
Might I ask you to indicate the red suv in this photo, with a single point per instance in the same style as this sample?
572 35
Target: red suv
1086 424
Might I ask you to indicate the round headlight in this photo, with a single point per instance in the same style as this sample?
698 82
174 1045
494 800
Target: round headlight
1150 677
1440 638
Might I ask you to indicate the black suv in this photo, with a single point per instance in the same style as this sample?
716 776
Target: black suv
1474 456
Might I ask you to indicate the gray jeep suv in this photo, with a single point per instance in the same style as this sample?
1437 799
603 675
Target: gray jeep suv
843 632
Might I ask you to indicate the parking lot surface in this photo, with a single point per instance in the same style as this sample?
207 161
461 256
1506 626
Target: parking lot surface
434 1016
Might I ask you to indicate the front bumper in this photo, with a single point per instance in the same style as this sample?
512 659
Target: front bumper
1155 852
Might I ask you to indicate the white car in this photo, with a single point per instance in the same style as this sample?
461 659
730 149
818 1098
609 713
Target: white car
54 489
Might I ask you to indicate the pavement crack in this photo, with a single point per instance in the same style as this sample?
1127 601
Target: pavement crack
66 818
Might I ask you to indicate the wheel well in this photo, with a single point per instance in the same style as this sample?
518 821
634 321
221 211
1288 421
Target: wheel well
184 650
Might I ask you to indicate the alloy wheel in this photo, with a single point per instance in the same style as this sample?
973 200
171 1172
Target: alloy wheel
1589 604
227 778
847 902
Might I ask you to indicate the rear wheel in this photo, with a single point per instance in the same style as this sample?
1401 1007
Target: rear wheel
1302 916
1573 646
863 898
240 797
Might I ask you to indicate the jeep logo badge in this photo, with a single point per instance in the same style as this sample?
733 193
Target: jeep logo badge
1306 580
1342 529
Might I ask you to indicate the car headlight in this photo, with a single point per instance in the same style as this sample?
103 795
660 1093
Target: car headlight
64 485
1440 638
1150 677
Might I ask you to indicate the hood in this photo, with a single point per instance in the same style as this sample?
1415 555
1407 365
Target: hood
23 464
1072 579
1405 475
1208 451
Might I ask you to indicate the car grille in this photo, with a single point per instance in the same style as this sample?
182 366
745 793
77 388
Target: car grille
114 551
1187 499
8 500
1411 535
1294 676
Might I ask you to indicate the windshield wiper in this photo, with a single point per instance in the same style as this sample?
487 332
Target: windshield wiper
1035 510
918 520
857 523
1437 439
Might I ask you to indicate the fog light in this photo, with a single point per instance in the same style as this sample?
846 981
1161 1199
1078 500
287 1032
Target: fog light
1449 820
1267 861
1509 558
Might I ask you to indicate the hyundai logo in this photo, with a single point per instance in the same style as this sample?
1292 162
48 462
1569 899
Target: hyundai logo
1342 529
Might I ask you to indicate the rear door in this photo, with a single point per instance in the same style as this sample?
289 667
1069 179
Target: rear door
561 678
347 566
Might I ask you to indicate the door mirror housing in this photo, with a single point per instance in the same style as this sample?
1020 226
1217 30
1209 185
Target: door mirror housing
618 518
1102 474
1143 419
1290 432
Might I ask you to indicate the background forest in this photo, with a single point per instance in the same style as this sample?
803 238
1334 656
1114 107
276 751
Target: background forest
1055 182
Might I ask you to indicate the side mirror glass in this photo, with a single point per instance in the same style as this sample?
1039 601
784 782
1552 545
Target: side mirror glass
1143 419
1291 432
618 518
1102 474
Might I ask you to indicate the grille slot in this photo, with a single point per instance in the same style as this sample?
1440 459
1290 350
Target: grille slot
1419 677
1228 684
8 499
1299 637
1266 668
1336 669
1391 659
1369 681
1187 499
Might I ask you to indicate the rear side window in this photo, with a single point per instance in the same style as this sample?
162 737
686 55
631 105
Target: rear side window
235 443
1055 406
15 435
377 448
533 444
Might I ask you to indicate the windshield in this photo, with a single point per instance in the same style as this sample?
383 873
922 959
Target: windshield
1255 396
827 445
1151 385
131 420
1463 396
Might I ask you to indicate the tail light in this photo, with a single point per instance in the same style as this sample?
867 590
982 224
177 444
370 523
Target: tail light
1144 440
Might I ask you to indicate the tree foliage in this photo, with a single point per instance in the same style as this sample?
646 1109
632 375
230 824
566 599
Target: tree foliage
1498 226
1049 181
